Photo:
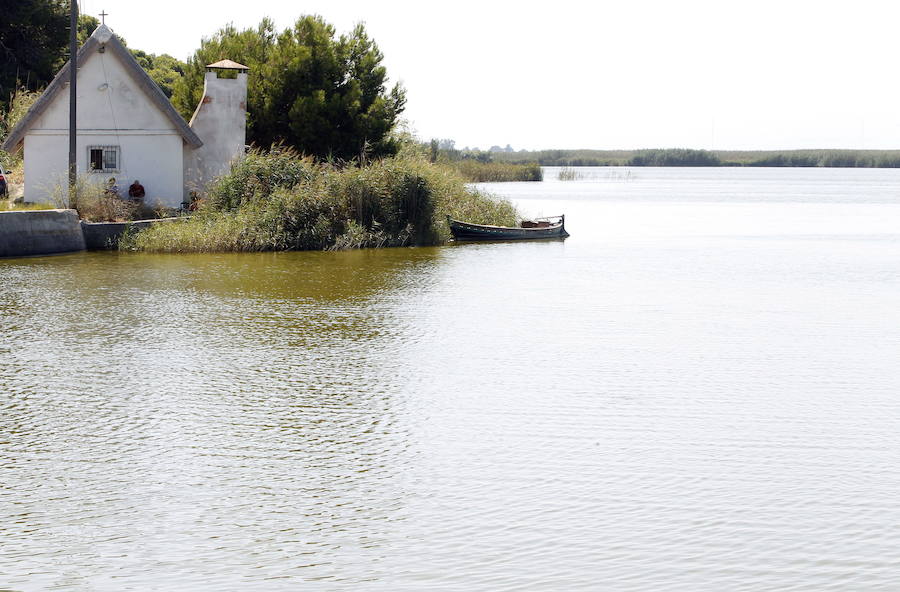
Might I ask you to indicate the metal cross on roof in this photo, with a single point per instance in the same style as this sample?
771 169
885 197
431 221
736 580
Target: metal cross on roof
103 16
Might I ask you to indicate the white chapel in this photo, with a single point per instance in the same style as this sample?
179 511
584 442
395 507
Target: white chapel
128 130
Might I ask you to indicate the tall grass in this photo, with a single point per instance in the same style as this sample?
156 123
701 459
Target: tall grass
684 157
496 172
94 204
679 157
20 101
278 200
9 206
569 174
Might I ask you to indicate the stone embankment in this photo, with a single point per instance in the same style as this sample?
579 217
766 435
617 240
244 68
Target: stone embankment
40 232
106 235
48 232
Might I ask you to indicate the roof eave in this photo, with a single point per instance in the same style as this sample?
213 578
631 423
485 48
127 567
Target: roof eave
151 89
155 93
17 135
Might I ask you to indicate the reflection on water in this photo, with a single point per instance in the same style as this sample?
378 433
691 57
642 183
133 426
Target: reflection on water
690 393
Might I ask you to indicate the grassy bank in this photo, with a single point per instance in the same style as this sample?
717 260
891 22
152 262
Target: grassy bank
688 157
8 206
279 201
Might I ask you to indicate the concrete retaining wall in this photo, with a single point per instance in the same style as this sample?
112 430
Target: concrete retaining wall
106 235
40 232
47 232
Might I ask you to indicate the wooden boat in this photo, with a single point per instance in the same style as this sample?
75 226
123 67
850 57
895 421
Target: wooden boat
540 228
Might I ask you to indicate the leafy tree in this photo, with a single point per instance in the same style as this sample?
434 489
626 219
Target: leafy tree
20 102
87 24
163 69
33 44
322 94
250 47
166 71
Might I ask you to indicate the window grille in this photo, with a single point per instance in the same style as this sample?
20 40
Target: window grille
103 159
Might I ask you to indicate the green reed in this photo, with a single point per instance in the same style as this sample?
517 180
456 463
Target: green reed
497 172
278 200
569 174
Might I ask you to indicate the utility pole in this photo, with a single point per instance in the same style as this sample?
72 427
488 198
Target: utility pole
73 80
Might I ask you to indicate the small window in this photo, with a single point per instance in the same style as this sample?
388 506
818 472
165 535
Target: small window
103 159
96 159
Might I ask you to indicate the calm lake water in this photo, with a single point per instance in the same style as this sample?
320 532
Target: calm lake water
697 391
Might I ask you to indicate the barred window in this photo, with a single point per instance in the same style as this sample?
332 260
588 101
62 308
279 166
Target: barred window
103 159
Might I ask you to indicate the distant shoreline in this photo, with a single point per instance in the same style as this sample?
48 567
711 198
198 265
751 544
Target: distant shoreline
683 157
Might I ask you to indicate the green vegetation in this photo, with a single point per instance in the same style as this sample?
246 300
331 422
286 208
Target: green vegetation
680 157
686 157
568 174
31 62
576 158
814 158
495 172
567 158
86 26
278 200
479 167
163 69
94 204
33 38
20 101
9 206
324 95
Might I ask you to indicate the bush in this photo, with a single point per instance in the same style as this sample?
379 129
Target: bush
93 204
258 176
277 200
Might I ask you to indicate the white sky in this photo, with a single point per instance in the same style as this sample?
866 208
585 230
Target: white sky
623 74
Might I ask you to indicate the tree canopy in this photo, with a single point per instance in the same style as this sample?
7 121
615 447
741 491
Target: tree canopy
310 89
163 68
33 44
322 94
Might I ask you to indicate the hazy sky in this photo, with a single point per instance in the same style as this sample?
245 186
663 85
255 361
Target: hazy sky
625 74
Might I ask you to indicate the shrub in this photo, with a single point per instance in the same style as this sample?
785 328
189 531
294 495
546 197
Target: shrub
258 176
280 201
94 205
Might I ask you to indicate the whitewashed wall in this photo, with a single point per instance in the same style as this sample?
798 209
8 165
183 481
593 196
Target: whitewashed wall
221 122
112 110
154 160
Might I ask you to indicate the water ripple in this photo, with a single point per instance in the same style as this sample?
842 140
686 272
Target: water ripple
649 405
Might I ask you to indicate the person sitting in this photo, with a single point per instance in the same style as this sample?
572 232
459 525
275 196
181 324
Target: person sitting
112 190
136 191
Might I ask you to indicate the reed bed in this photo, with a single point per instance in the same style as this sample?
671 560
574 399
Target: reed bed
569 174
497 172
685 157
278 200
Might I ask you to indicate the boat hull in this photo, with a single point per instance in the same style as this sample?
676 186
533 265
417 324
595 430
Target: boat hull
465 231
